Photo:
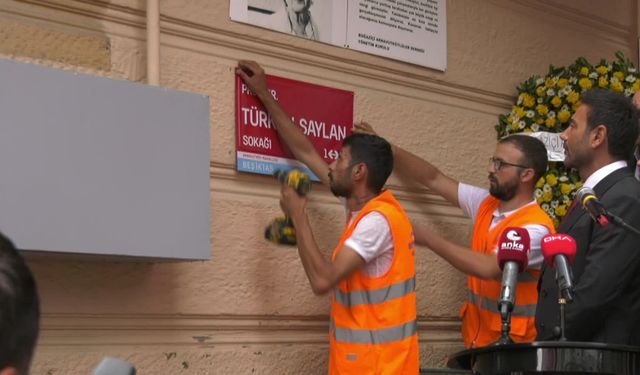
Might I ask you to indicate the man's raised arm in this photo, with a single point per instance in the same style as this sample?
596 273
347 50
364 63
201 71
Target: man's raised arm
418 169
254 77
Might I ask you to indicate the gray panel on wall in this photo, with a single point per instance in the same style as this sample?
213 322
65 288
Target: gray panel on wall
98 166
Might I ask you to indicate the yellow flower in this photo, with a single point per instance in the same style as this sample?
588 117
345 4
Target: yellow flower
528 100
578 185
584 71
619 75
562 82
561 210
541 90
547 196
585 83
556 101
602 70
573 97
565 189
542 109
574 106
617 86
550 122
552 180
548 83
515 126
540 183
603 82
519 111
636 86
564 116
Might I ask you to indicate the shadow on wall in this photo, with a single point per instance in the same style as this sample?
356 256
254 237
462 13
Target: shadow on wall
105 287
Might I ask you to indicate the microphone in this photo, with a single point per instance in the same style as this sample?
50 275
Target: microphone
513 249
587 197
114 366
559 250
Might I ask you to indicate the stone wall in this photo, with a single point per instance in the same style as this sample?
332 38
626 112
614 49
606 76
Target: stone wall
250 309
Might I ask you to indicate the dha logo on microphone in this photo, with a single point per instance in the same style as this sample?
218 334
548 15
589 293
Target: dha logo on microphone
556 237
515 241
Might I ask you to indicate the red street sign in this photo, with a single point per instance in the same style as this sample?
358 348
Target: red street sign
324 114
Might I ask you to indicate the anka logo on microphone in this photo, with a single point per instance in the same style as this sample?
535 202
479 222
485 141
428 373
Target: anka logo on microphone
515 241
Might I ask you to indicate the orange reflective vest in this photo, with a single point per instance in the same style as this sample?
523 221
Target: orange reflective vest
481 321
373 319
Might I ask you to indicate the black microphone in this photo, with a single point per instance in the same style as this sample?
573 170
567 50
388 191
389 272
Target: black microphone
587 197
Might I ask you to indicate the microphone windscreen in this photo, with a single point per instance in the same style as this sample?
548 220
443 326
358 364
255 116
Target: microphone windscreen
114 366
583 193
514 246
555 244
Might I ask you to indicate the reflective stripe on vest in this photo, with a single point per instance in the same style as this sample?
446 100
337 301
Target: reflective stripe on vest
492 305
361 297
375 336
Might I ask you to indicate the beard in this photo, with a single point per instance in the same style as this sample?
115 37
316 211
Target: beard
505 191
339 188
578 155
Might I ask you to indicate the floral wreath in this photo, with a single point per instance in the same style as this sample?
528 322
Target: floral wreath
546 104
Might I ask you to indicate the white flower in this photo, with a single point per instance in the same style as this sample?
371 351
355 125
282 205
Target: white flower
535 127
614 79
632 70
522 124
546 188
551 114
630 78
551 92
520 100
537 193
554 204
555 79
628 91
530 114
573 80
540 100
593 75
563 178
545 206
565 107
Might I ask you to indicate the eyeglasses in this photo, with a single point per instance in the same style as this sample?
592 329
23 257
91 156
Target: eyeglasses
497 163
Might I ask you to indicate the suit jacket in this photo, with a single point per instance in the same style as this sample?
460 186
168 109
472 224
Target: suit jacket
606 271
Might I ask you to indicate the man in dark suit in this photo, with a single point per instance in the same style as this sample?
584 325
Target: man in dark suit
606 270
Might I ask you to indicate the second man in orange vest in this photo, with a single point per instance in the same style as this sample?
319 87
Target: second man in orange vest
517 164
